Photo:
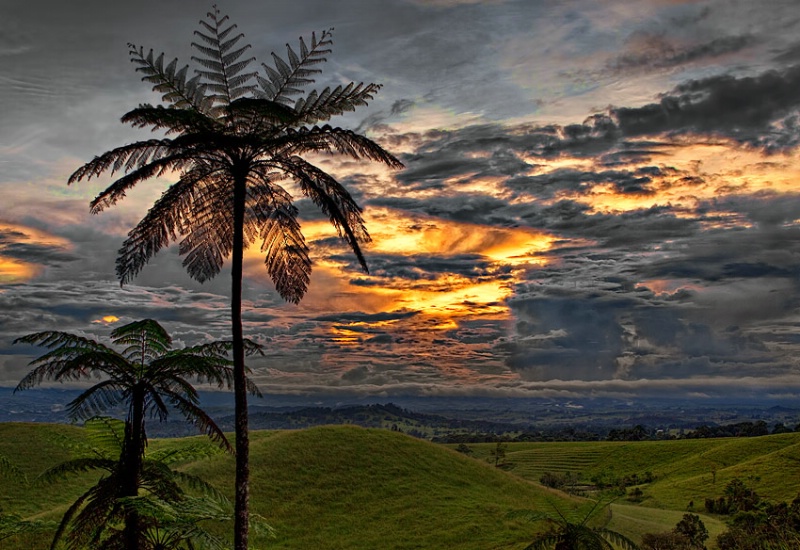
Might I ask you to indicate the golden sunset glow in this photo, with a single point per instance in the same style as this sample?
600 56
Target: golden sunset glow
16 271
444 295
718 170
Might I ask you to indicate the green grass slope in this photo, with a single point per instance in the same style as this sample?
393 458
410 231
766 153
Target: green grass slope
344 487
331 488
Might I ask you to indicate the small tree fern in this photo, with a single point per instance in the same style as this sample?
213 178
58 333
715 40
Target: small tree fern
147 376
569 533
100 517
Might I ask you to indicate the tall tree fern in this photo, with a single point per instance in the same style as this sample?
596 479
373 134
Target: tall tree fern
235 134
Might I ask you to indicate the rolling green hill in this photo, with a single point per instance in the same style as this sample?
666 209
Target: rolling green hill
329 487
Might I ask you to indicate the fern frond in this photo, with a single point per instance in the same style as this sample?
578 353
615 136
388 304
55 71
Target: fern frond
68 515
285 251
170 119
168 81
106 434
327 139
74 467
201 420
219 58
126 157
161 225
208 232
322 106
100 398
334 201
146 340
617 539
288 79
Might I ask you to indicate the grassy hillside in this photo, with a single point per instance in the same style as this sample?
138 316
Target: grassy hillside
685 471
331 487
348 487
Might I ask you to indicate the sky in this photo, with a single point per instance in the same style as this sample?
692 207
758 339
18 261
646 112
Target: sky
600 198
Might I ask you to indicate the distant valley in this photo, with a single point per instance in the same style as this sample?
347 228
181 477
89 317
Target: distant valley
440 418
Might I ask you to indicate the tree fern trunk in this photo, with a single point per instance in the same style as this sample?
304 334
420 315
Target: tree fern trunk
242 499
132 454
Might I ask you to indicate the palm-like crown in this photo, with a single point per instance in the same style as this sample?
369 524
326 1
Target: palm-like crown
228 124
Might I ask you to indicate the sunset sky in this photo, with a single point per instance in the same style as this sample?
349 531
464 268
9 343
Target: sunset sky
599 197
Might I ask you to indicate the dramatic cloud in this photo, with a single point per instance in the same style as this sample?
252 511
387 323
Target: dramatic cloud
599 197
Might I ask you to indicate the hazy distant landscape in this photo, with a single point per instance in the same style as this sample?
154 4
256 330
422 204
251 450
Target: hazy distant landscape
447 414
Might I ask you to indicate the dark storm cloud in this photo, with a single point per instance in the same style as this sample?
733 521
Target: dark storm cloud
567 334
359 317
746 109
629 230
464 207
720 254
626 182
427 267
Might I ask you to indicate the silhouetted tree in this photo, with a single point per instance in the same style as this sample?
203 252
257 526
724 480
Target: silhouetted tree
238 136
145 376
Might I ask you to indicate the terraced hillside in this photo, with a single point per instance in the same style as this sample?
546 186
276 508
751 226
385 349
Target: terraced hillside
685 473
684 470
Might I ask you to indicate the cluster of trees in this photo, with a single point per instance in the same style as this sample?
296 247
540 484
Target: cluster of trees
755 523
739 429
768 526
736 497
236 136
689 534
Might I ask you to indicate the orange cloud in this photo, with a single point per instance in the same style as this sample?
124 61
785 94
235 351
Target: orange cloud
442 299
14 270
107 320
713 169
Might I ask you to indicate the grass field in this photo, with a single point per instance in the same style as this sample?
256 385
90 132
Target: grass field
345 487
